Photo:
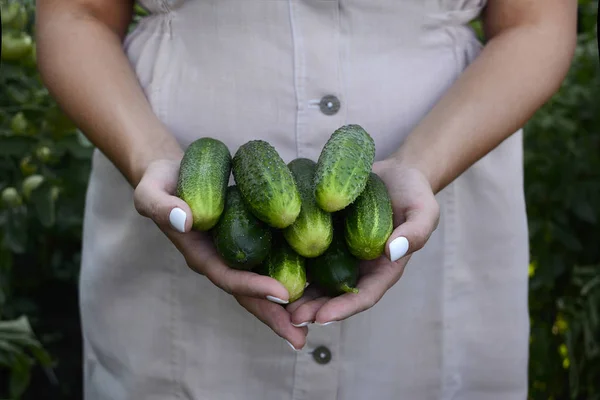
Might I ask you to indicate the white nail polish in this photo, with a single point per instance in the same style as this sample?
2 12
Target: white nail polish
303 324
327 323
398 248
291 345
177 219
276 300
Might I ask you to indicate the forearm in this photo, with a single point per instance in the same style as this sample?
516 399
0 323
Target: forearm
84 67
515 74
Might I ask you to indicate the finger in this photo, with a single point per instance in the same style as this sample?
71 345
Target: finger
247 283
201 256
153 199
310 293
306 313
276 318
371 288
413 232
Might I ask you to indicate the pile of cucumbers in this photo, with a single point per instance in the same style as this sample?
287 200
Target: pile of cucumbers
302 222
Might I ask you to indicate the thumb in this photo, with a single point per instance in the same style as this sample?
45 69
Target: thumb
169 212
413 233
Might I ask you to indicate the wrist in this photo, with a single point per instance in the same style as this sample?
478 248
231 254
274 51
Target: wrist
167 149
405 160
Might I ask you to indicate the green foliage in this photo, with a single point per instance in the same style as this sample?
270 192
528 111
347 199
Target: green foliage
19 350
562 163
44 167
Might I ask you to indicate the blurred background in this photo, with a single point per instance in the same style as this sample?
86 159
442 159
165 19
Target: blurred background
44 166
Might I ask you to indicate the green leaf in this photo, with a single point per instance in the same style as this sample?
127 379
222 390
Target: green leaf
9 72
17 95
20 377
19 325
591 285
83 140
5 359
594 313
41 356
567 239
591 344
5 254
44 204
15 146
585 211
15 229
21 339
9 348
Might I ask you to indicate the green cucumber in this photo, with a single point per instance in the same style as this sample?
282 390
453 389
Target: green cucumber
266 183
241 239
204 174
288 267
311 233
336 270
343 167
369 220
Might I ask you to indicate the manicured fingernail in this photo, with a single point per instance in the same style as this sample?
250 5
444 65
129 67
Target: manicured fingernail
302 324
326 323
177 219
276 300
291 345
398 248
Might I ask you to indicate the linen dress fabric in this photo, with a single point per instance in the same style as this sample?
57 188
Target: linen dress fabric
455 326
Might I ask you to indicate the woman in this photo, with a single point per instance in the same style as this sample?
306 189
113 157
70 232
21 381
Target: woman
161 313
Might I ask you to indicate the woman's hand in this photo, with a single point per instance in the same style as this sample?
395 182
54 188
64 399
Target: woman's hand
528 52
416 215
261 295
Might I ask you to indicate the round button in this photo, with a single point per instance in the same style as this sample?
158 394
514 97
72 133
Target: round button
322 355
329 105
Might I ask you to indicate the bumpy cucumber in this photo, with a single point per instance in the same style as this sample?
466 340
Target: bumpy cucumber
336 270
288 267
241 239
203 177
369 220
266 183
311 234
343 167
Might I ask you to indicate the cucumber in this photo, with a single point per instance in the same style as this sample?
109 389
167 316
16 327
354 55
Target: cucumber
369 220
241 239
266 183
204 174
288 267
311 234
336 270
343 167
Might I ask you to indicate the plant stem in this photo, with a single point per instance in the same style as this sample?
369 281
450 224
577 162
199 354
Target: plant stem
345 288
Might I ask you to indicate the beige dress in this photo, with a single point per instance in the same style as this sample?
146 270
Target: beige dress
292 71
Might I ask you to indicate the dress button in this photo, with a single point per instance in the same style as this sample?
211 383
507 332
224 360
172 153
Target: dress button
322 355
329 105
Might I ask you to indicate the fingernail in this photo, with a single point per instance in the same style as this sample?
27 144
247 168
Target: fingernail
398 248
177 219
291 345
302 324
326 323
276 300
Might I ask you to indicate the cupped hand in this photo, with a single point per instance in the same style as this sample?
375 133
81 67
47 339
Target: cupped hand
260 295
416 216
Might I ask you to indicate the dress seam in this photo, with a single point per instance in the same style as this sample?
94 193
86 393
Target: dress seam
162 112
448 263
296 43
296 137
